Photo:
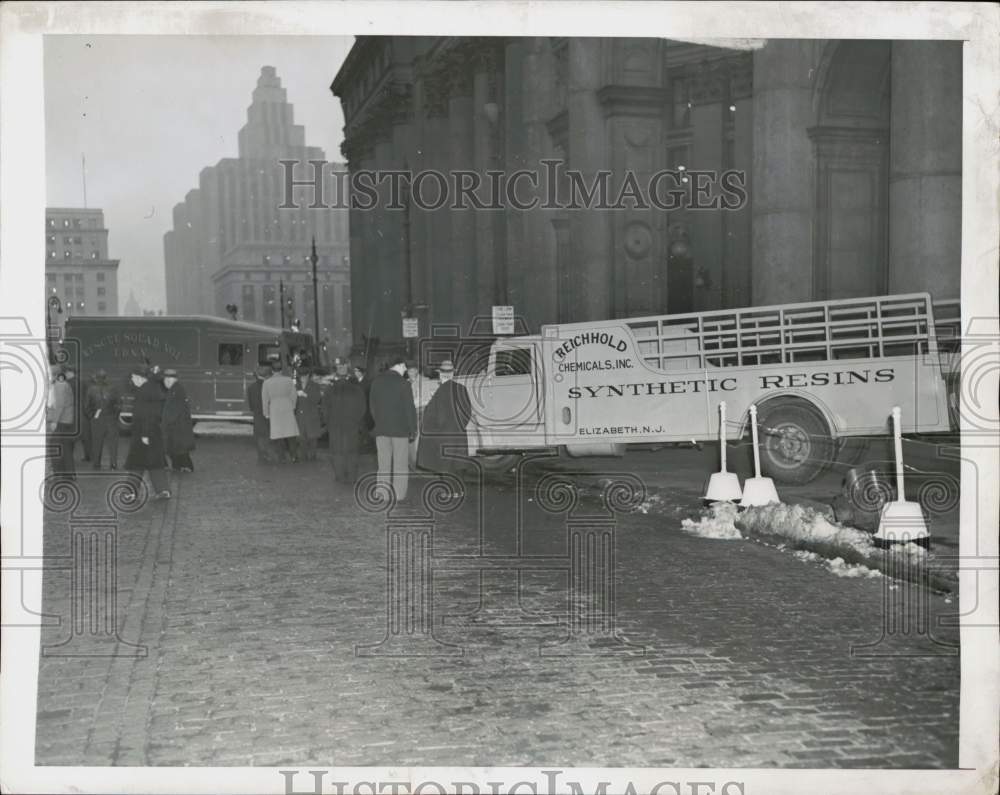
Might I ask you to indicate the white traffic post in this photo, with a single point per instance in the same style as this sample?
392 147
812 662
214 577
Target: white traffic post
902 521
757 490
723 486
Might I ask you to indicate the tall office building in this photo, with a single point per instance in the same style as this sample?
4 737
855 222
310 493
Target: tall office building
78 271
233 243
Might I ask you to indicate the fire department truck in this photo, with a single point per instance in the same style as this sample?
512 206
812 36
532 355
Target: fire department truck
214 358
819 372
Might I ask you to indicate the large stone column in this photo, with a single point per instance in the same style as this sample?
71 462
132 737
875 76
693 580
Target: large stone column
925 168
462 276
782 176
590 229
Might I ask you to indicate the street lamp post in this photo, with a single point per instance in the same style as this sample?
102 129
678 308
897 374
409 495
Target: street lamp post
315 259
281 300
52 303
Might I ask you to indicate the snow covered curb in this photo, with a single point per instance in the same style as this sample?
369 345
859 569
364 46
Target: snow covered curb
811 536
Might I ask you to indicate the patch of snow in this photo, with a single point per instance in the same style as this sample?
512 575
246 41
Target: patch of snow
804 524
838 566
718 521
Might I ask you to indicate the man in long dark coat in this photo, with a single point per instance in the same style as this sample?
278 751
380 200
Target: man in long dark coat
442 431
261 427
344 407
145 451
178 427
102 407
307 413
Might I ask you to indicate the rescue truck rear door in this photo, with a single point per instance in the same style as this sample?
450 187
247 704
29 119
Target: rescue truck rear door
232 360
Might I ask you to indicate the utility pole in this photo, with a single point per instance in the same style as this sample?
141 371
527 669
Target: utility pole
281 300
315 259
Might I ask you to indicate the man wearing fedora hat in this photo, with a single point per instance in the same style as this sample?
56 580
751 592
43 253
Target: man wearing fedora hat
145 452
344 407
443 443
178 427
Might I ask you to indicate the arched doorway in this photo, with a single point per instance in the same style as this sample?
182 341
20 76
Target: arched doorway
851 153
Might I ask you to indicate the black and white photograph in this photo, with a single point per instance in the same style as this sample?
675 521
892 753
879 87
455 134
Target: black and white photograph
500 397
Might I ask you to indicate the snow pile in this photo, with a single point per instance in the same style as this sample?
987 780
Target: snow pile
718 521
805 525
838 566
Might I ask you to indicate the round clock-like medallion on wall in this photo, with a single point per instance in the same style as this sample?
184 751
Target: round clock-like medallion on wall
638 239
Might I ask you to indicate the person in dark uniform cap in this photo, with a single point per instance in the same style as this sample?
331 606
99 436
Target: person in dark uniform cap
178 427
102 406
145 452
344 407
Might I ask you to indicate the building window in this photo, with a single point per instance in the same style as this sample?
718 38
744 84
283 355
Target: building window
100 277
101 291
267 259
67 277
80 292
78 277
65 223
76 223
51 239
288 259
52 255
102 306
50 277
51 222
230 354
249 303
66 255
93 255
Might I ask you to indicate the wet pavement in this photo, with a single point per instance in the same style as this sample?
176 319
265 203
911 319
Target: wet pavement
269 616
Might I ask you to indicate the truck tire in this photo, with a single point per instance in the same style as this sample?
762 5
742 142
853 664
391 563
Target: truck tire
795 441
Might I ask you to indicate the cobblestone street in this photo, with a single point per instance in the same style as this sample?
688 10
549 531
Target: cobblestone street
257 597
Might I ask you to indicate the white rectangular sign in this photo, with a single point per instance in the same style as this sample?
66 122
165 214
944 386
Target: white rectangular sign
411 327
503 320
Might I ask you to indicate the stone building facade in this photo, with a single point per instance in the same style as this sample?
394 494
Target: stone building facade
233 242
853 184
78 271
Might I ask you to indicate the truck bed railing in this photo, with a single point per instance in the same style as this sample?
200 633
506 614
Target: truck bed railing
854 328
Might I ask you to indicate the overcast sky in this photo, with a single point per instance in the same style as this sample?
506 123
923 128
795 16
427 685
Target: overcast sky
150 112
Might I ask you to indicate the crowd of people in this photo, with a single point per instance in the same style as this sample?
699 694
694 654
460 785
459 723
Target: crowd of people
162 429
393 409
411 420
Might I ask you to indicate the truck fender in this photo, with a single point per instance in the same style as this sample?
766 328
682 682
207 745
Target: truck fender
791 394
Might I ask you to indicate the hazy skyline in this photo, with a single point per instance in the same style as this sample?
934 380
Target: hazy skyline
149 112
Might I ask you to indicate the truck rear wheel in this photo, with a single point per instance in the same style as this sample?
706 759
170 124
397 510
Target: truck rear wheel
795 441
